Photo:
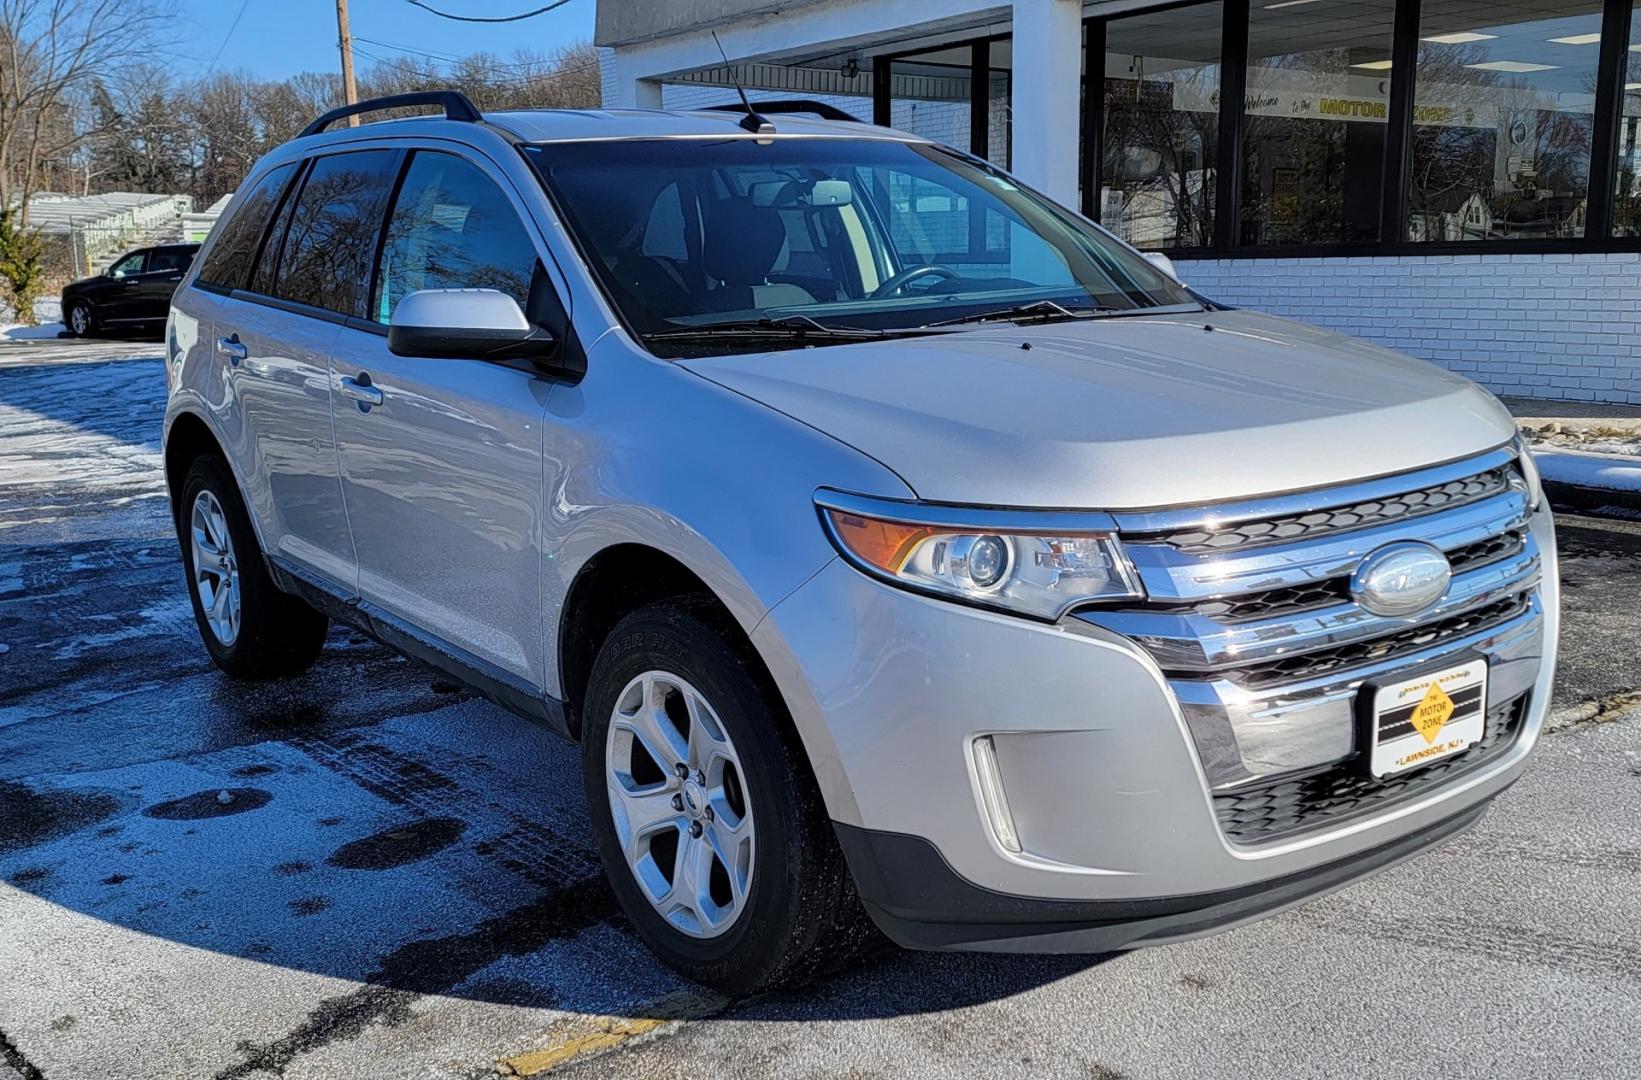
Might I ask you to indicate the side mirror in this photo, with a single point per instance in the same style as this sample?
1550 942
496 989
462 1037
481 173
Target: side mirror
1162 262
464 324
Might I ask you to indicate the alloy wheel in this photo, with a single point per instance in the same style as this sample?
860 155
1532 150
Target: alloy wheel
680 805
216 574
79 319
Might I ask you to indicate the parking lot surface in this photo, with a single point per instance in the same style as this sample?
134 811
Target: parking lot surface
367 872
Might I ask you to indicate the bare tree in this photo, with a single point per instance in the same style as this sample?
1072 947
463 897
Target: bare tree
52 53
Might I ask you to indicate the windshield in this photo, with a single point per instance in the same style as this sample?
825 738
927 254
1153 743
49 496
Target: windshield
731 242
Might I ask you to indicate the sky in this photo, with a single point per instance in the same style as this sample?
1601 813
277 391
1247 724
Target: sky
277 38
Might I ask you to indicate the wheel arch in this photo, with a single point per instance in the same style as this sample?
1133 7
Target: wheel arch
613 583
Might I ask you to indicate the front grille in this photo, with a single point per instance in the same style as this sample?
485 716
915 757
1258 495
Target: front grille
1411 640
1278 530
1486 551
1288 601
1333 796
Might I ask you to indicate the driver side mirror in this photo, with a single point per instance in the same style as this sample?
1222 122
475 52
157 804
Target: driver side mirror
464 324
1162 262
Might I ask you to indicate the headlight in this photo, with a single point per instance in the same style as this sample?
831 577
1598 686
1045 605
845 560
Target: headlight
1038 564
1529 469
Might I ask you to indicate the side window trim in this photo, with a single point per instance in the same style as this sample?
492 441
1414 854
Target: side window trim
276 223
374 280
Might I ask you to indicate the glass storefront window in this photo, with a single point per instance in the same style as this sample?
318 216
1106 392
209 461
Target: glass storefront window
1161 130
1503 110
1627 196
1315 122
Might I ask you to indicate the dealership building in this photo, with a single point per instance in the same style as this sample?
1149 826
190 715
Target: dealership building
1456 179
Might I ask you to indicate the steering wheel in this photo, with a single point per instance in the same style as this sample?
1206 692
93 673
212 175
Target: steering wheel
899 281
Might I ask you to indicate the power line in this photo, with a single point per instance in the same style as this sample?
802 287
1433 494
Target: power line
243 4
491 18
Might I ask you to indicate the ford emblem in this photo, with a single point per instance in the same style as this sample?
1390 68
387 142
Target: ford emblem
1401 579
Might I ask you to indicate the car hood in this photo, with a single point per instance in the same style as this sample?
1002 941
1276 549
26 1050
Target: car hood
1125 412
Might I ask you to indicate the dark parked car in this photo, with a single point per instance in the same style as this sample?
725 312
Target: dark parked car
134 292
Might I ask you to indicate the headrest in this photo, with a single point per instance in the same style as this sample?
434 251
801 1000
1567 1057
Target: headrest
744 242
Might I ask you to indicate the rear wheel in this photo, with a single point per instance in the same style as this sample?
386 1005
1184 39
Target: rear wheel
80 320
250 628
711 829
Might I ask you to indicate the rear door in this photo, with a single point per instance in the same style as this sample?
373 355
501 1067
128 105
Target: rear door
276 332
159 280
442 470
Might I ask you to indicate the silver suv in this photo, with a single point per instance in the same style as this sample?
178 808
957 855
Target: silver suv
900 547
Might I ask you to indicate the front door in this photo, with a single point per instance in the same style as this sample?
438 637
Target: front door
123 296
442 460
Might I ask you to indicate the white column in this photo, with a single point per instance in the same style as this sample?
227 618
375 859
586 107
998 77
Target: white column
629 90
1048 56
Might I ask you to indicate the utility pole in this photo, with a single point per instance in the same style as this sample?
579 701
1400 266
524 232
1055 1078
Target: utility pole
344 39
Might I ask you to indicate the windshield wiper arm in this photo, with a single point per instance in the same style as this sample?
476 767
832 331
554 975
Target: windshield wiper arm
1037 309
787 326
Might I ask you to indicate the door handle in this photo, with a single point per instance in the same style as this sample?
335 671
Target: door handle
359 389
232 349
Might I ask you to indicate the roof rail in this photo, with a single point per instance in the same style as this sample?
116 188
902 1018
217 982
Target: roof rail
795 105
456 107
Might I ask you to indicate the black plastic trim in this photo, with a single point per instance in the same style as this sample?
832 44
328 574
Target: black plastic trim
793 105
919 901
501 687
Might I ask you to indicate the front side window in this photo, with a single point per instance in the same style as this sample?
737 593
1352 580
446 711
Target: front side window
333 230
1503 114
451 228
131 264
863 235
237 237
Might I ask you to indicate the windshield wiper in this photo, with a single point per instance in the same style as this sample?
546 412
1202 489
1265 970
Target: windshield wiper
1036 310
787 327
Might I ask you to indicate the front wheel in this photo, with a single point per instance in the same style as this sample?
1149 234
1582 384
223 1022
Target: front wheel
712 831
80 321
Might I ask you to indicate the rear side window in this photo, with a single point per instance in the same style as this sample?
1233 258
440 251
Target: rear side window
237 238
173 261
452 228
333 230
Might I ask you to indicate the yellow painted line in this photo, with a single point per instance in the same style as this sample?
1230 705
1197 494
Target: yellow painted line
588 1035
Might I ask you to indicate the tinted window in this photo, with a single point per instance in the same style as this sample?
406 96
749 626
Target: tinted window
452 228
238 236
131 264
333 230
169 260
267 262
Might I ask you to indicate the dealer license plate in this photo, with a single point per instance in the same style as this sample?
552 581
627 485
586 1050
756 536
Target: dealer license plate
1426 718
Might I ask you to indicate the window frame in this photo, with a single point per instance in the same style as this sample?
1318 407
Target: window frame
1393 239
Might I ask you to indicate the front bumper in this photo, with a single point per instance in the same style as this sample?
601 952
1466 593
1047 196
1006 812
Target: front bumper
1122 837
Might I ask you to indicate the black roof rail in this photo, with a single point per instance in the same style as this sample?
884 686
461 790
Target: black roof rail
456 107
794 105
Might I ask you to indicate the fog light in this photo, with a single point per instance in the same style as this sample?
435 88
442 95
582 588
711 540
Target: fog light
992 796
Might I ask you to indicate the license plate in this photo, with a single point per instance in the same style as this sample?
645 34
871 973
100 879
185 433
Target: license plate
1426 718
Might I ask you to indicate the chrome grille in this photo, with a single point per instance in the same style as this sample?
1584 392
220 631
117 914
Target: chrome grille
1311 664
1277 530
1262 642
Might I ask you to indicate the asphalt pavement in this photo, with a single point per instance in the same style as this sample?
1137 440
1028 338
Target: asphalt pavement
368 872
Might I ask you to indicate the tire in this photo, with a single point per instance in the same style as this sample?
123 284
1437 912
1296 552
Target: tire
80 320
799 916
260 633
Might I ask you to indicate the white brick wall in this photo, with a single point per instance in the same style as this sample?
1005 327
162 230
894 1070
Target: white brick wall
1544 326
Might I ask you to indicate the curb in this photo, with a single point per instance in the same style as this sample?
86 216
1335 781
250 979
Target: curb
1605 484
